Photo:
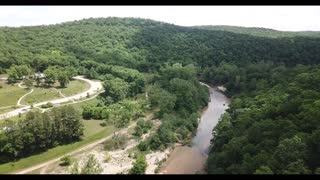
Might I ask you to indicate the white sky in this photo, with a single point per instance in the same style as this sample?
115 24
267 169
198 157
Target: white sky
286 18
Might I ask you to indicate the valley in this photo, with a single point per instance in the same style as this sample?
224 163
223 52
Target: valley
138 96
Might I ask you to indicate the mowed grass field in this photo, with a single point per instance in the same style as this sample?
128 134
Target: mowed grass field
75 87
80 105
92 127
41 94
10 94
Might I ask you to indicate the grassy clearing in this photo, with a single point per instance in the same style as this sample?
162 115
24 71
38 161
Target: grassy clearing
80 105
54 152
92 127
39 95
74 87
10 94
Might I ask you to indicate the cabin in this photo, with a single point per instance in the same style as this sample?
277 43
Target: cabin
4 79
39 75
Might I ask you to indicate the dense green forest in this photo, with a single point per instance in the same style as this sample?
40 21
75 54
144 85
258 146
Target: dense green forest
38 132
272 125
144 45
262 32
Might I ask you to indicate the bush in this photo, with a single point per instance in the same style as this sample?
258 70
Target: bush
142 127
66 161
143 146
140 166
48 105
117 142
103 124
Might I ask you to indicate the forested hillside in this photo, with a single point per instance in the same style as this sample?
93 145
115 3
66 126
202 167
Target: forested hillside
272 125
262 32
144 44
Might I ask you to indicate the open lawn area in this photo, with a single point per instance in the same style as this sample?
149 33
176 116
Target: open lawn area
41 94
10 94
74 87
92 127
80 105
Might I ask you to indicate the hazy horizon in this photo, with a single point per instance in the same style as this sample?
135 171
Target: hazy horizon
281 18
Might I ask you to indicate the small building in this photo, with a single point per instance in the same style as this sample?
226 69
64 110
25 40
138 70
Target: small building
4 79
39 75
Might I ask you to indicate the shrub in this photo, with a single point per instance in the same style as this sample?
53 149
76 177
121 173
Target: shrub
66 161
140 166
117 142
142 127
48 105
143 146
103 124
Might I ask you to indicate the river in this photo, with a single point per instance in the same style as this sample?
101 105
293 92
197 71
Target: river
191 159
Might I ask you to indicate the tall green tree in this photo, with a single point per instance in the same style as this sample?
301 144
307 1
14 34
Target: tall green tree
63 78
28 83
140 165
116 88
50 75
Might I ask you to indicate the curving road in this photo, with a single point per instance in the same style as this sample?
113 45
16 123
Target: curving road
94 88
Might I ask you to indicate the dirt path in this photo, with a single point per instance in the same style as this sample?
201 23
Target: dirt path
43 170
20 85
120 160
74 102
60 93
19 101
23 87
91 145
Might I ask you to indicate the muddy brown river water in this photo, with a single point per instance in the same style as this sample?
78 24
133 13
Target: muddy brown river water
191 159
